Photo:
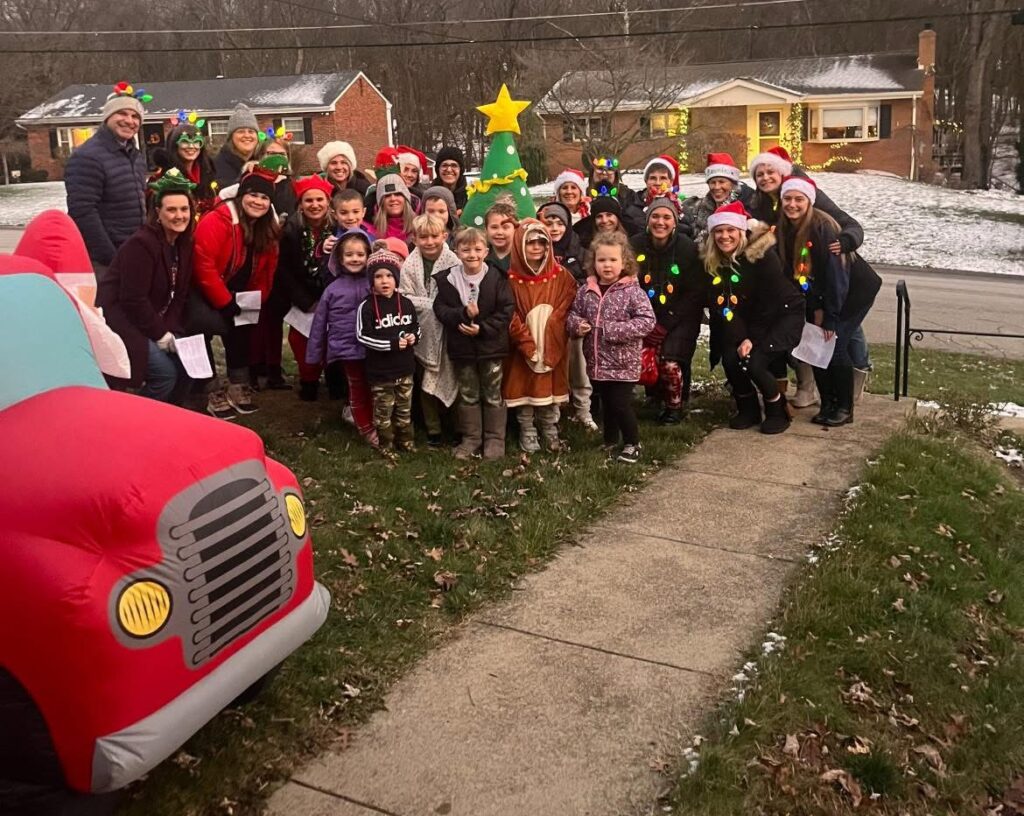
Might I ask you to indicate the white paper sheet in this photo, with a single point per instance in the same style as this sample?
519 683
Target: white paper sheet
299 320
192 353
814 348
249 303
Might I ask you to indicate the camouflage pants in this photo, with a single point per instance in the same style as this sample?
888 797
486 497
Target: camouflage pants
480 381
393 399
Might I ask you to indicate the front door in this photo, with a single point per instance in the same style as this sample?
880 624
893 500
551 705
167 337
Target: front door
769 129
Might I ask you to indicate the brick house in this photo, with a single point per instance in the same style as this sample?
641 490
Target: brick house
871 111
315 108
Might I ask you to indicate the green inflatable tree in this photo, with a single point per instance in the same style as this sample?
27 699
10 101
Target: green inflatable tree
502 173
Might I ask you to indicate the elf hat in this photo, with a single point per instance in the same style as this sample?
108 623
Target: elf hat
721 165
570 176
386 162
304 185
799 184
338 148
777 157
668 163
392 183
729 215
171 182
384 259
125 97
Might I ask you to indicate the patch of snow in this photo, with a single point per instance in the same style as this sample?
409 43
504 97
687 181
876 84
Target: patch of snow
307 90
1012 456
854 72
774 642
1001 409
20 203
77 105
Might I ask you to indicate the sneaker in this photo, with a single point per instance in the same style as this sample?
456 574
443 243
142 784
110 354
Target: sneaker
217 405
240 397
587 421
528 440
630 454
346 415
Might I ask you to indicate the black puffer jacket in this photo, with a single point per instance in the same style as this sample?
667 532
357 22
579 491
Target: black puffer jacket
829 281
303 275
496 307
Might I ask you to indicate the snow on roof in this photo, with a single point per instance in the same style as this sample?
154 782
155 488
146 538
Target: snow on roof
308 92
799 77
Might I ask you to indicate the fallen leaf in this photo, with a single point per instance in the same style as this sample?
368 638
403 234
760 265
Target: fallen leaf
927 791
994 597
1013 798
348 558
934 758
350 691
792 746
434 553
446 579
858 745
898 605
846 782
895 562
945 530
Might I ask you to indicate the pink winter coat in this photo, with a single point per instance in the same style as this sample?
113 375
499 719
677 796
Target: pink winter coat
619 320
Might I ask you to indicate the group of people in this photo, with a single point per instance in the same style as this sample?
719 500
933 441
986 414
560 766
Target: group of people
391 302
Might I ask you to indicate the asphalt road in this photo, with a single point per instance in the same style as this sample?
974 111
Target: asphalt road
940 299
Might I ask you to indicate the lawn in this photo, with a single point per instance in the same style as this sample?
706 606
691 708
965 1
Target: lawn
937 375
898 690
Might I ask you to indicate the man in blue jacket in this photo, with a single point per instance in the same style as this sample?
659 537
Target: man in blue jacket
105 180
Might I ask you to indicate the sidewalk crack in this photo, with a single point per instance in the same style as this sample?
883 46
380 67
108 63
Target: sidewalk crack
343 797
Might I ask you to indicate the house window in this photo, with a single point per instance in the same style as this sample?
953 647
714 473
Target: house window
658 125
218 132
583 128
69 139
844 124
295 126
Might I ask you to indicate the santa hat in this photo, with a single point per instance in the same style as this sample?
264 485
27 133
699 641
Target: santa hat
777 157
570 176
332 149
257 180
799 184
668 163
729 215
721 165
410 155
303 186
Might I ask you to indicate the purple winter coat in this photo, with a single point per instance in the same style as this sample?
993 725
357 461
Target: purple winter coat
619 320
334 325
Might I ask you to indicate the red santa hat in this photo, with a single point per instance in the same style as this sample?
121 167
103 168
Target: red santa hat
570 176
304 185
668 163
721 165
729 215
777 157
410 155
799 184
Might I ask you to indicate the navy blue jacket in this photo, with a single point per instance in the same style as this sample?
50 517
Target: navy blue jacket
105 183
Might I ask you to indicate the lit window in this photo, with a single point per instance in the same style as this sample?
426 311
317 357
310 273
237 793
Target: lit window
69 139
658 125
294 125
844 124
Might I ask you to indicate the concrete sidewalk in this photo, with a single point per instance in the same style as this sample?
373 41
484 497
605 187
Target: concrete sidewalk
559 701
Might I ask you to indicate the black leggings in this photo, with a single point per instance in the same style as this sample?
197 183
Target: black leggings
761 371
617 409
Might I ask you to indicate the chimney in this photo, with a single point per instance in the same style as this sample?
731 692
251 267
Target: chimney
926 49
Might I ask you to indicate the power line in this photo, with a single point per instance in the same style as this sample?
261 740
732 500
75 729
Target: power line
753 27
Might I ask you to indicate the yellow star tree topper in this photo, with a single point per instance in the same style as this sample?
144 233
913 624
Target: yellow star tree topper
503 113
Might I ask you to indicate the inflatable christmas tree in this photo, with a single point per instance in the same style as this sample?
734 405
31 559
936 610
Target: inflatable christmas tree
502 173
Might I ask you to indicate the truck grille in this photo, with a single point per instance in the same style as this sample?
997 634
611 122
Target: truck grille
236 563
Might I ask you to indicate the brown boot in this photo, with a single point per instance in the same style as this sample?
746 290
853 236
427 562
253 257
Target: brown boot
494 431
783 386
471 426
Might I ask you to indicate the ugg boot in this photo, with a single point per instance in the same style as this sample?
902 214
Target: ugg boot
309 391
842 408
748 413
860 379
806 393
471 426
495 417
528 440
826 392
776 420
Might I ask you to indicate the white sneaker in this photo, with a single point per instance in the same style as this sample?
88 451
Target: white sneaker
346 415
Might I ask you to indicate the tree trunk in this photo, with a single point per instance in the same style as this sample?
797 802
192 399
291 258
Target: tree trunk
984 35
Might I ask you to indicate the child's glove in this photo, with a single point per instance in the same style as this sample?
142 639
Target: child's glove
656 337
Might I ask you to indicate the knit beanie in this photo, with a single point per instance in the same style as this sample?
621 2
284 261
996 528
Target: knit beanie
606 204
256 181
450 153
729 215
558 209
442 193
392 183
398 246
384 259
777 158
338 148
662 202
799 184
242 117
119 102
721 165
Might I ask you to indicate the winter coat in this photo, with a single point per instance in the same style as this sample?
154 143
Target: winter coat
380 324
680 314
105 183
141 299
501 264
333 334
829 280
220 252
619 319
769 310
569 254
302 275
496 306
696 210
460 193
227 166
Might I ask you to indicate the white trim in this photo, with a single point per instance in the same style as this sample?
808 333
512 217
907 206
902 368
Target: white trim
782 94
913 140
820 109
353 82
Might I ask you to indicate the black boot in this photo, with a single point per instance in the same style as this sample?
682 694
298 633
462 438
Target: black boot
826 392
670 416
308 391
842 408
337 385
776 419
748 413
276 380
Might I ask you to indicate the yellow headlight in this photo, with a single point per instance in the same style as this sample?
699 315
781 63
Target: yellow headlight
143 608
296 514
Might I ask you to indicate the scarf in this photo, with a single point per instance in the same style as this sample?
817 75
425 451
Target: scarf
468 286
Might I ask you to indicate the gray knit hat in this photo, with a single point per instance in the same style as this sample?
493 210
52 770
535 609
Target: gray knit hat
242 117
392 183
446 196
662 202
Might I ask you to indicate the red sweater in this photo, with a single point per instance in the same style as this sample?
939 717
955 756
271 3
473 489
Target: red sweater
220 252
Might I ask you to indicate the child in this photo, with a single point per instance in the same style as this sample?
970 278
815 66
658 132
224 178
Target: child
536 373
438 387
333 334
394 209
387 326
350 212
500 223
439 201
475 306
613 315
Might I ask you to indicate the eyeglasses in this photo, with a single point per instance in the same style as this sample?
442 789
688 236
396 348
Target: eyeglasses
191 141
448 165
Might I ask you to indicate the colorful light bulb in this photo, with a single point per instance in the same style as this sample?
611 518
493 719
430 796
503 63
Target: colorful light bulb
662 299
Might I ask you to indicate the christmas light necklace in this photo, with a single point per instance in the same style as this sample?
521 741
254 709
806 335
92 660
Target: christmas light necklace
802 275
667 288
727 300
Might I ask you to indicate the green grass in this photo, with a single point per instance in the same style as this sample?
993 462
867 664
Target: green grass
937 375
902 671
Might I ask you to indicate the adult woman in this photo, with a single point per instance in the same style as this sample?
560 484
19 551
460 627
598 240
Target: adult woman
240 147
274 155
236 250
451 173
144 291
185 149
569 188
394 209
338 165
724 186
836 300
760 314
605 216
306 244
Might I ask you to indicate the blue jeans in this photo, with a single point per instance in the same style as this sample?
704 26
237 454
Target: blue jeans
847 352
163 373
858 350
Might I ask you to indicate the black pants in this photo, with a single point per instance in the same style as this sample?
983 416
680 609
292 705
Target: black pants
760 371
617 408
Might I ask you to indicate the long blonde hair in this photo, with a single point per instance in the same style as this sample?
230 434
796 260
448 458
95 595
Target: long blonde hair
715 259
380 219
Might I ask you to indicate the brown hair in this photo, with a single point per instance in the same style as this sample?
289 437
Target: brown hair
796 235
348 194
262 233
630 268
505 207
154 219
470 235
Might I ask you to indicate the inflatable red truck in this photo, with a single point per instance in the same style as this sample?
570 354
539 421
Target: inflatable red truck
154 562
